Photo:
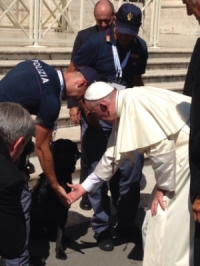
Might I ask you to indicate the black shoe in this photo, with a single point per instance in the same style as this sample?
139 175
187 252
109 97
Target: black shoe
133 233
104 240
85 203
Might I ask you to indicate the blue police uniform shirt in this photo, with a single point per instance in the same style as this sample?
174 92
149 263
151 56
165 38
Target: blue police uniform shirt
81 37
97 53
36 86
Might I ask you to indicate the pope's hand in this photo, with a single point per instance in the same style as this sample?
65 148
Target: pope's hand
158 199
76 192
196 209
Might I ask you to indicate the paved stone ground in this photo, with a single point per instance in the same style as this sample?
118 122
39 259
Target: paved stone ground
82 250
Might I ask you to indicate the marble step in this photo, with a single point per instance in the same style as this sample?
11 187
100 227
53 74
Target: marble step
167 63
7 65
42 53
64 53
164 75
151 75
173 86
170 52
152 63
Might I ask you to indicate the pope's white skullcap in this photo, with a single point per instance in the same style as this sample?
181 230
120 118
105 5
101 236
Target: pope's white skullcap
97 91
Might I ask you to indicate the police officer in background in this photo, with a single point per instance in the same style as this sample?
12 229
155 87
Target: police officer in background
119 56
104 15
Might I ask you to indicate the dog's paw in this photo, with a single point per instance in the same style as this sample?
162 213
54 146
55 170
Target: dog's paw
61 255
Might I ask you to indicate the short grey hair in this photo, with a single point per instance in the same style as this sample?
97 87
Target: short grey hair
15 122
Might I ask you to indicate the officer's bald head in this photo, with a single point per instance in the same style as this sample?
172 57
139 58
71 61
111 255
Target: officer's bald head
104 14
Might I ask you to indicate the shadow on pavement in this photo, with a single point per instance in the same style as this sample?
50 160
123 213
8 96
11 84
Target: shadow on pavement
40 249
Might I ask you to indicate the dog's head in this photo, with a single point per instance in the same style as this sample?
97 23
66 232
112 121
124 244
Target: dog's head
65 154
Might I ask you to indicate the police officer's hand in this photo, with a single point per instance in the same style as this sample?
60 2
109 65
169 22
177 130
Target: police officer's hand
196 209
63 196
75 115
91 119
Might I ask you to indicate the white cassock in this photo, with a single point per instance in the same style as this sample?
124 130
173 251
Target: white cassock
156 122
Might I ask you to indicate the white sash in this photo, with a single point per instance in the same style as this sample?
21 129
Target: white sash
60 76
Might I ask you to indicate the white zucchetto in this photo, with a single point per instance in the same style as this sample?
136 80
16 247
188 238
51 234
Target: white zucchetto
97 91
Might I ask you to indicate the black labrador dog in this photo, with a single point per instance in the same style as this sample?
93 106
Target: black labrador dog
48 214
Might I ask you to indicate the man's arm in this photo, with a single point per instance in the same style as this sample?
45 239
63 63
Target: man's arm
43 138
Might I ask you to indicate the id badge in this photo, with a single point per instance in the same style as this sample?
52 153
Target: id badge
118 86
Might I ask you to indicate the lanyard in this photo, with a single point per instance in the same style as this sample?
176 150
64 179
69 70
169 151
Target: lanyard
60 76
119 67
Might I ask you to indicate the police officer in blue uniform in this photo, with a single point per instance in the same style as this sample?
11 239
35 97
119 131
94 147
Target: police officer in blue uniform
119 56
104 14
39 88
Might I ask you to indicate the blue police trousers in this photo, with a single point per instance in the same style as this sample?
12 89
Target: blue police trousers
94 143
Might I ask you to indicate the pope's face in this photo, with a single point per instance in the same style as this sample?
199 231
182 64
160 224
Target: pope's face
193 8
101 111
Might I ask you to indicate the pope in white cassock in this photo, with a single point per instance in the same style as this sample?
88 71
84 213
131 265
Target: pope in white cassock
155 122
